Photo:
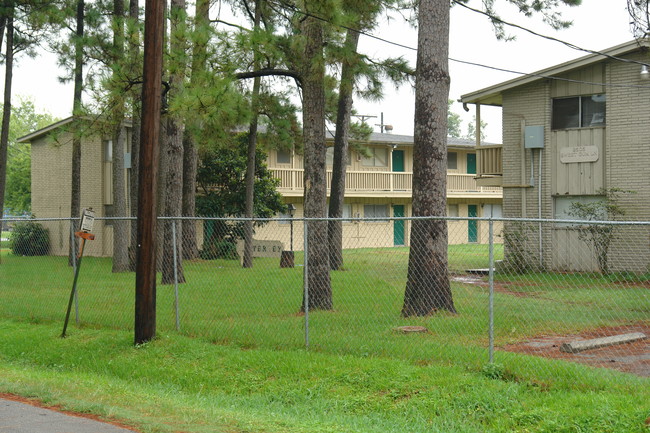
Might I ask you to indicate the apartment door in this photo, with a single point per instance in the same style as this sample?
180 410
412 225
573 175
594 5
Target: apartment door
398 225
398 160
472 225
471 163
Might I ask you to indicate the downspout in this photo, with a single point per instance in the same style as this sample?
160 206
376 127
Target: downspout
539 208
524 205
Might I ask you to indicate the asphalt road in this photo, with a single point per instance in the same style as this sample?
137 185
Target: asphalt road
16 417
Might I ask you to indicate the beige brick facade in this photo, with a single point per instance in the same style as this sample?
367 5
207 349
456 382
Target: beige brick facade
622 144
372 186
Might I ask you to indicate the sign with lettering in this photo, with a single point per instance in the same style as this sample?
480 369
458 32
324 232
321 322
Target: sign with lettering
262 248
87 220
578 154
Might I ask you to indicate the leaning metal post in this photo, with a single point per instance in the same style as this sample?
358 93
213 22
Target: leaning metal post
84 237
491 283
74 268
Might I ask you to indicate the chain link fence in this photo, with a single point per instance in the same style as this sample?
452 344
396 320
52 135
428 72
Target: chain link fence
547 298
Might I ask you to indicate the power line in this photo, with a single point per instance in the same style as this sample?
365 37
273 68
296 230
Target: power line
569 44
550 38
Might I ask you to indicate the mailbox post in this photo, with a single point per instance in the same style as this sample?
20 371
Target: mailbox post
86 227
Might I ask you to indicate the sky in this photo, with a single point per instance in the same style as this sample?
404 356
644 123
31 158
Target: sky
597 25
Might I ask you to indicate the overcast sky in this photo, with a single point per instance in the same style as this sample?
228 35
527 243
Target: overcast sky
598 24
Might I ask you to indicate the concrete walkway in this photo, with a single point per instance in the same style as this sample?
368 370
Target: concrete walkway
18 417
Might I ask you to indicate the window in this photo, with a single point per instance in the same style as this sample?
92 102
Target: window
493 210
452 160
284 156
579 112
347 210
378 157
108 151
452 210
375 211
329 157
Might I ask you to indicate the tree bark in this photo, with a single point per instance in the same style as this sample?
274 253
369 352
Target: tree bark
120 227
75 197
190 153
174 155
190 165
134 54
247 261
339 166
427 287
6 113
318 277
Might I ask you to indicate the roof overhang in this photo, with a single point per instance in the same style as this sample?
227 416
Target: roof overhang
44 131
60 124
493 95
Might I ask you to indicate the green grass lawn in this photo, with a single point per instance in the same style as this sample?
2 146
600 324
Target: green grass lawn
358 375
185 384
4 244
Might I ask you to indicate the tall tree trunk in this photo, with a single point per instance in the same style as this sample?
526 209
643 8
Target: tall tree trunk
252 147
190 166
339 166
75 197
318 277
120 227
3 26
427 287
6 107
173 183
190 154
134 54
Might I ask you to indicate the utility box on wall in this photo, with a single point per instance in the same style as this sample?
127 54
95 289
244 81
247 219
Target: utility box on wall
534 137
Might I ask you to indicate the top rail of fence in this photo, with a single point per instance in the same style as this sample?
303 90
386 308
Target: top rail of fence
352 220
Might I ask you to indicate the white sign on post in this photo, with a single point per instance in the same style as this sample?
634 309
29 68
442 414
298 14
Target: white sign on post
87 220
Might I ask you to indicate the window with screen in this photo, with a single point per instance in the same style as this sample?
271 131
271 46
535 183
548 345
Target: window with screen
284 156
378 157
579 112
452 160
375 211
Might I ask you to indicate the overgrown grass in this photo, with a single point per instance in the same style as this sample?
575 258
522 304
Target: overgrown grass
359 374
177 383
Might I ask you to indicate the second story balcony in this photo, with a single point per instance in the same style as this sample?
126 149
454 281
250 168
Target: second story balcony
385 184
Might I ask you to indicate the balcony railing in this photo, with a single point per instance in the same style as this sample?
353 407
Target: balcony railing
490 160
380 181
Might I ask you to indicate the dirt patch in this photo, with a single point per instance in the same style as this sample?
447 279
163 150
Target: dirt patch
629 357
37 403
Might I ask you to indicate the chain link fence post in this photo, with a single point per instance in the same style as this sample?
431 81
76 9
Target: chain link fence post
491 284
175 246
305 282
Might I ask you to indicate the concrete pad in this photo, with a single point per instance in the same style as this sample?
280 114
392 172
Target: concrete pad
580 345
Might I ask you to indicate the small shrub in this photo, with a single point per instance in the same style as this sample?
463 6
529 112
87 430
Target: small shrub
493 371
518 258
29 239
219 250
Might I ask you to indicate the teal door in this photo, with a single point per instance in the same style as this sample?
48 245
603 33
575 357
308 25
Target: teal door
398 162
471 163
398 225
472 225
